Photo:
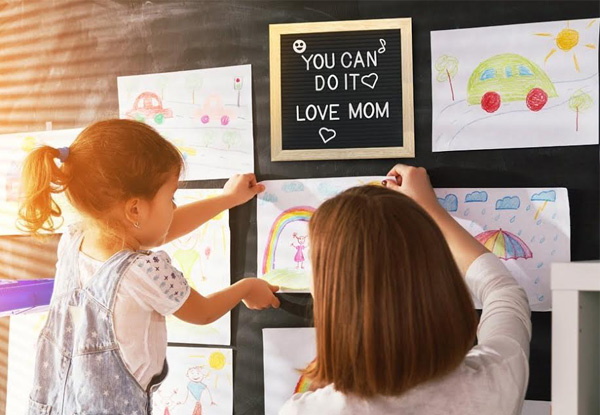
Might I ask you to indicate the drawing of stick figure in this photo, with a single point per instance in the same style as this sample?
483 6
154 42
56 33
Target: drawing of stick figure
166 400
196 387
299 257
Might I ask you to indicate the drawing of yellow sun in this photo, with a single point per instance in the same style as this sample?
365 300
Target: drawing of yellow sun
217 360
566 40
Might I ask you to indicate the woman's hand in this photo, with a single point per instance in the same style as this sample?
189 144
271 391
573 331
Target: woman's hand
260 294
242 187
414 182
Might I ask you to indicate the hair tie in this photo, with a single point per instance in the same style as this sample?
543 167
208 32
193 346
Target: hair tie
63 154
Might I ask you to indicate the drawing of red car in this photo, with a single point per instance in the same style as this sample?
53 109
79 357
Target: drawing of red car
213 109
149 105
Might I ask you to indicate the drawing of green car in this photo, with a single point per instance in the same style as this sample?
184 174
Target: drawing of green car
509 77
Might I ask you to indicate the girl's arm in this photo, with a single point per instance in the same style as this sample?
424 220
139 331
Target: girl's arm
414 182
239 189
188 217
256 294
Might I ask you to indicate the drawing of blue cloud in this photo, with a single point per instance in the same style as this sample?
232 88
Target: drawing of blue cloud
450 203
328 190
476 197
268 197
290 187
508 203
547 196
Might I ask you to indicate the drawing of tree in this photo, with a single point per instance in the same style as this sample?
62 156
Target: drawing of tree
447 67
208 138
231 139
162 81
194 81
580 101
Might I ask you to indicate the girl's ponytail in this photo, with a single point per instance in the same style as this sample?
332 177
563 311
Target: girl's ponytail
40 178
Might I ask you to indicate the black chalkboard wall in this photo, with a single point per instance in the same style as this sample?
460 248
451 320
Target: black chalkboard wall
75 50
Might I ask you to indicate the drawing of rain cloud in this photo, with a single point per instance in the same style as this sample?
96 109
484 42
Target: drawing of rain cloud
291 187
450 202
508 203
328 190
476 196
268 197
547 196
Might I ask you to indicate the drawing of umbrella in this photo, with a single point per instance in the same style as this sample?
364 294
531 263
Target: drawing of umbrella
504 245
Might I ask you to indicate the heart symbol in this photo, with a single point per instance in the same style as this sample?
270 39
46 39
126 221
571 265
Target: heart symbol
327 134
370 80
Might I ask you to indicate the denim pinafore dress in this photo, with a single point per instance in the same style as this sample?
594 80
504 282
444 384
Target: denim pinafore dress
79 368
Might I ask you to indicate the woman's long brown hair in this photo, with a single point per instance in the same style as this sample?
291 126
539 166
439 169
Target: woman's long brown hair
391 309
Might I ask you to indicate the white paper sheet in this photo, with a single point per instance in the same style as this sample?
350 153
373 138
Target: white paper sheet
560 58
22 339
285 352
13 150
535 221
204 258
206 113
283 211
200 378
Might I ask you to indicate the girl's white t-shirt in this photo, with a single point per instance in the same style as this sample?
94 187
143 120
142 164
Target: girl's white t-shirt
141 304
491 380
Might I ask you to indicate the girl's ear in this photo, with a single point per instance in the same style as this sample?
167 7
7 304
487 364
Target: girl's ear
133 210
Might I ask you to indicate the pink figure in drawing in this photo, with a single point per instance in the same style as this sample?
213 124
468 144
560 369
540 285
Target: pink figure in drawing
204 264
299 257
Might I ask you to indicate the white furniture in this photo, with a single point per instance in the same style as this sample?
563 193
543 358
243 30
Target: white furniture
576 338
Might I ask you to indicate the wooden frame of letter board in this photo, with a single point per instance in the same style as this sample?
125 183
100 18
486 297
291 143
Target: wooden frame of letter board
408 134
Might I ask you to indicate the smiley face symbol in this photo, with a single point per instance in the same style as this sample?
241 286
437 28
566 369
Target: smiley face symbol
299 46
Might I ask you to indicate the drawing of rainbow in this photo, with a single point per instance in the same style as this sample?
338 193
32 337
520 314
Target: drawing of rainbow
303 385
297 213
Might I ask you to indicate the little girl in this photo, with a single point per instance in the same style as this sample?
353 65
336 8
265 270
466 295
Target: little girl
395 323
103 348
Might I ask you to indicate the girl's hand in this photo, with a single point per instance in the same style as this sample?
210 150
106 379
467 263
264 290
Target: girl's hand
242 187
414 182
260 294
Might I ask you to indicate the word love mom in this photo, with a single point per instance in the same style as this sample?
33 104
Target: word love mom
346 81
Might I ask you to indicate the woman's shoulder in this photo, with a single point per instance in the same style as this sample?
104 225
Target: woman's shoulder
325 400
